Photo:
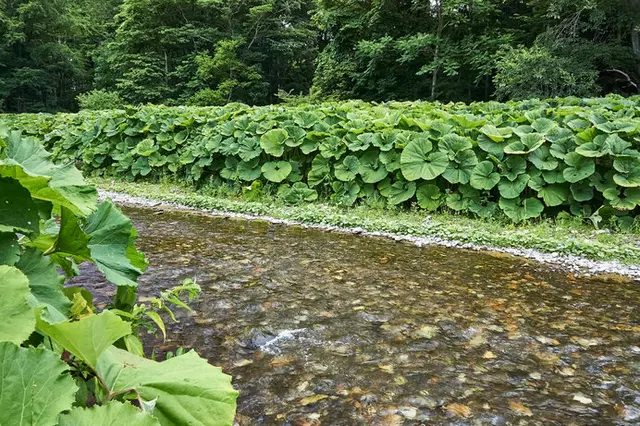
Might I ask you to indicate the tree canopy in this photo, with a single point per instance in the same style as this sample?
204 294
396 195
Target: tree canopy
212 52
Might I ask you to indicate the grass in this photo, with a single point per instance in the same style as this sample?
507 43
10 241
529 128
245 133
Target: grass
568 236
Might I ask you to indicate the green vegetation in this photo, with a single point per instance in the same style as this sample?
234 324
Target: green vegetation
565 236
523 159
61 360
211 52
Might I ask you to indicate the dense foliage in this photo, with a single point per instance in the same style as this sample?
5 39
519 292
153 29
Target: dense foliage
210 52
523 158
63 361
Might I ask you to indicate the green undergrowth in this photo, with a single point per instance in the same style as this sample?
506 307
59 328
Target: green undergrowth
563 236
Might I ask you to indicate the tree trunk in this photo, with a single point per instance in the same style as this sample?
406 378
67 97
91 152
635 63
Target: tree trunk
434 78
635 42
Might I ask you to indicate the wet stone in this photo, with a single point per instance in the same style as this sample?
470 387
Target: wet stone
335 329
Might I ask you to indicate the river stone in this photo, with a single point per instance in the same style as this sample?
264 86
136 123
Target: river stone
257 338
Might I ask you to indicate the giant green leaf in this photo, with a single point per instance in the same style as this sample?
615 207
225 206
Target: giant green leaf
496 134
581 191
45 284
491 147
513 167
484 176
111 414
527 143
187 388
34 386
18 320
398 192
298 193
429 196
345 193
579 167
460 168
518 210
332 146
88 338
628 180
27 162
18 212
273 142
543 125
320 171
418 162
347 170
542 159
9 248
372 169
249 170
276 171
623 200
554 194
513 189
112 245
453 144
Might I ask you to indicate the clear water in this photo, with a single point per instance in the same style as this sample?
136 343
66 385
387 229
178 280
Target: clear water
325 328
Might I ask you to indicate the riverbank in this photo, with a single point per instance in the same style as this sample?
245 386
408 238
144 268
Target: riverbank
578 248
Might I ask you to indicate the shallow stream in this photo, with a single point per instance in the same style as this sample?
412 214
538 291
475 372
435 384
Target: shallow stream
324 328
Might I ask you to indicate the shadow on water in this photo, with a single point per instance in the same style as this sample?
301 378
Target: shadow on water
325 328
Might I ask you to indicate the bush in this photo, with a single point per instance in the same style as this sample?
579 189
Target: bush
59 355
99 99
537 73
525 158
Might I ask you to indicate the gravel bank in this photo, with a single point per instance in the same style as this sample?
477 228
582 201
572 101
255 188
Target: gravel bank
577 265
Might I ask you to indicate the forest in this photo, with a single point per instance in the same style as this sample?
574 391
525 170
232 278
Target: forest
62 55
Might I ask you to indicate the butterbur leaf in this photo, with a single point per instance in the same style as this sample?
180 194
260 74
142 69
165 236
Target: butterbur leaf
18 318
249 148
429 196
276 171
519 210
45 284
332 147
398 192
371 168
491 147
628 180
9 248
623 200
298 193
452 144
88 338
462 200
581 192
513 167
185 387
579 167
543 125
496 134
617 126
484 176
18 212
554 194
320 171
513 189
418 162
112 245
391 160
35 386
113 413
273 141
26 161
347 170
249 170
459 170
542 159
527 143
345 193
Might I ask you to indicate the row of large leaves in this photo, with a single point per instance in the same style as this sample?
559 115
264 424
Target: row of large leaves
50 220
522 158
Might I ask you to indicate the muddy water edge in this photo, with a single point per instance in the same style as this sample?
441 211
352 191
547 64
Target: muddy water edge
328 328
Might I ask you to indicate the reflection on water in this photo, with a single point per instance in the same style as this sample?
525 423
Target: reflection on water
324 328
